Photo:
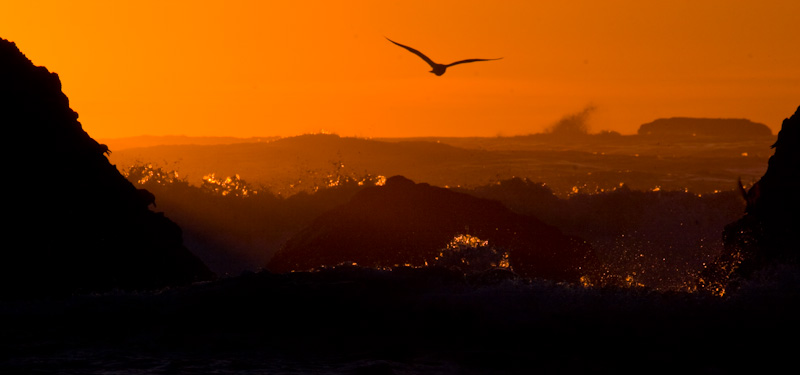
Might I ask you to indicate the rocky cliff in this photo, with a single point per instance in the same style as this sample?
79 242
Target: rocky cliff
767 234
73 223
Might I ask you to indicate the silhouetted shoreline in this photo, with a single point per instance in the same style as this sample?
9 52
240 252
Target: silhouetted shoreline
350 316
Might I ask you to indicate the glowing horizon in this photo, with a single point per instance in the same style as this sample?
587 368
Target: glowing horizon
250 69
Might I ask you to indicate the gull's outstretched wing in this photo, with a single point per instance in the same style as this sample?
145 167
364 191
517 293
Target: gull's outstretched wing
418 53
469 61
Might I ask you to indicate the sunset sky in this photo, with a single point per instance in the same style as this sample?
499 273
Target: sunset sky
263 68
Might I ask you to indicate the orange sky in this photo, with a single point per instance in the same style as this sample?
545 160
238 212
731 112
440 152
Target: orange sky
262 68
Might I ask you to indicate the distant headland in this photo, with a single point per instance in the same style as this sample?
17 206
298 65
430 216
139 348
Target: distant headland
706 127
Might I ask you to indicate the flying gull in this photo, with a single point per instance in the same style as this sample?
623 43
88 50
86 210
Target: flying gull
438 69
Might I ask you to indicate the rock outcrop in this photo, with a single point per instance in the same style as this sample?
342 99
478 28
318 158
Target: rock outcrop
407 223
767 234
73 222
704 127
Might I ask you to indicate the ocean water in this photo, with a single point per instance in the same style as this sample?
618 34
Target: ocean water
362 321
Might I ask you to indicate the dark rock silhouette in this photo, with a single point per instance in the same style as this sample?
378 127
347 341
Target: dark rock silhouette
709 127
436 68
146 197
74 222
767 233
407 223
